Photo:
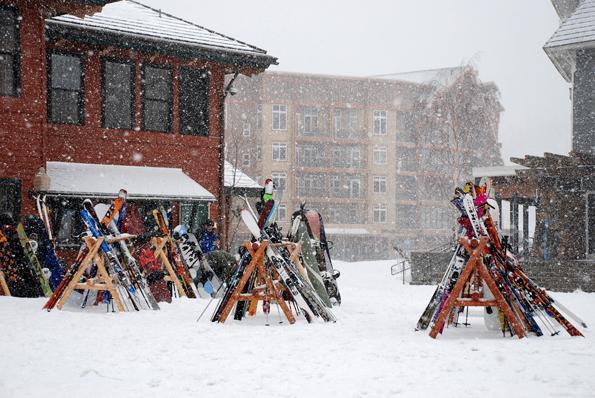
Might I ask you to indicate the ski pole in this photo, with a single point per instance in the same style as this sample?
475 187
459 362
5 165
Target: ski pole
210 301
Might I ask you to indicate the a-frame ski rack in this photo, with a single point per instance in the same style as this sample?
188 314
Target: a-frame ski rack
170 275
268 287
475 250
4 290
102 282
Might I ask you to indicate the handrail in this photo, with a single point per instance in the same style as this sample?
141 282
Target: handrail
401 271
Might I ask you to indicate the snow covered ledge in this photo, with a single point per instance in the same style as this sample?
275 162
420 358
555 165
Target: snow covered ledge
104 181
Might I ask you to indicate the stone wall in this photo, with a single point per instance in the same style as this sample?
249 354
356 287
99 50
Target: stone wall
561 276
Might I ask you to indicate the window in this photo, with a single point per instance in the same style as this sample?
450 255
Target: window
282 213
310 120
10 197
279 152
279 117
258 121
407 187
66 96
379 122
335 185
118 95
193 215
354 188
246 129
380 154
406 159
246 159
380 214
337 121
280 181
355 157
406 216
9 52
379 184
157 98
194 100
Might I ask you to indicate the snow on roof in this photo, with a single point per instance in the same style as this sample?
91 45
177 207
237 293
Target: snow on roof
346 231
496 171
235 178
578 28
441 76
103 180
133 17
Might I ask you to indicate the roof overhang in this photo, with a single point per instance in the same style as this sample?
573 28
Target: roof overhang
238 183
104 181
237 61
496 171
53 8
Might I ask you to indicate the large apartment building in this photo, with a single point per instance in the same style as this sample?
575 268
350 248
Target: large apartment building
371 154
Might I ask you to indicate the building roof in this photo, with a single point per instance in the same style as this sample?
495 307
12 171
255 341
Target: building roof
151 26
496 171
235 178
576 31
104 181
437 77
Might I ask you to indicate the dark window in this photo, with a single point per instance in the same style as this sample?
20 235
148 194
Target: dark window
9 52
118 95
194 101
66 97
406 187
157 98
406 217
10 197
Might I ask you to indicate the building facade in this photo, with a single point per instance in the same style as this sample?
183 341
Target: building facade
369 153
126 85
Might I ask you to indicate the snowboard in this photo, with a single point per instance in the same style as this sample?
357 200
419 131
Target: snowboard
33 260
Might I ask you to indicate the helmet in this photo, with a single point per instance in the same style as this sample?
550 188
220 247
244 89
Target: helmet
180 231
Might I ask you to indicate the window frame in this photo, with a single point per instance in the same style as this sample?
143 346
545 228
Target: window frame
278 146
82 92
246 160
143 67
382 117
105 60
277 176
380 214
279 112
380 149
16 62
181 70
379 182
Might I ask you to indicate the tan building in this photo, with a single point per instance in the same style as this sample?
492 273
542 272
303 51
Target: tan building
353 148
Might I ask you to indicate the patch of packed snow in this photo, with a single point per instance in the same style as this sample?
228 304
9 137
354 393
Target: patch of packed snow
371 351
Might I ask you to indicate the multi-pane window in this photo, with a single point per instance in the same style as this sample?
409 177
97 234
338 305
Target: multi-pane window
194 99
9 51
157 99
246 129
406 159
246 160
282 213
280 181
406 187
66 92
337 121
279 117
279 151
118 95
379 122
379 184
356 156
310 120
354 187
379 154
335 183
379 214
406 216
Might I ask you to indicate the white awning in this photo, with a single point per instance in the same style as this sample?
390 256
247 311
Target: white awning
236 178
104 181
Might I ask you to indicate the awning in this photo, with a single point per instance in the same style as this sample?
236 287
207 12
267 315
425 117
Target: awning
104 181
238 183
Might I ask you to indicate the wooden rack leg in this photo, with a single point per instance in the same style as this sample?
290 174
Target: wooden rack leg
278 293
94 248
4 285
103 274
159 244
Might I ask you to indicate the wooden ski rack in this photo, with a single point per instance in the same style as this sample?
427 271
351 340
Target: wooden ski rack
475 263
102 282
267 287
170 275
4 290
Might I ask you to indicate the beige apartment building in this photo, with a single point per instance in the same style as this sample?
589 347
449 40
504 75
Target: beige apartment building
355 149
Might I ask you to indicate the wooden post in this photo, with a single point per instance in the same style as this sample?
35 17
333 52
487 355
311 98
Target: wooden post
475 263
4 285
159 245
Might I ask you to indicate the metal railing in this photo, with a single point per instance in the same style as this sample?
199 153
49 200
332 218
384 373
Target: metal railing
403 265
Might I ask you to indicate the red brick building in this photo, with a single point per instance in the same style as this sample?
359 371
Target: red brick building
116 84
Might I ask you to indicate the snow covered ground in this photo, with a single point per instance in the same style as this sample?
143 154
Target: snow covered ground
372 351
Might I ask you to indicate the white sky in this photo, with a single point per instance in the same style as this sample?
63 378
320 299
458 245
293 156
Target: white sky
502 38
